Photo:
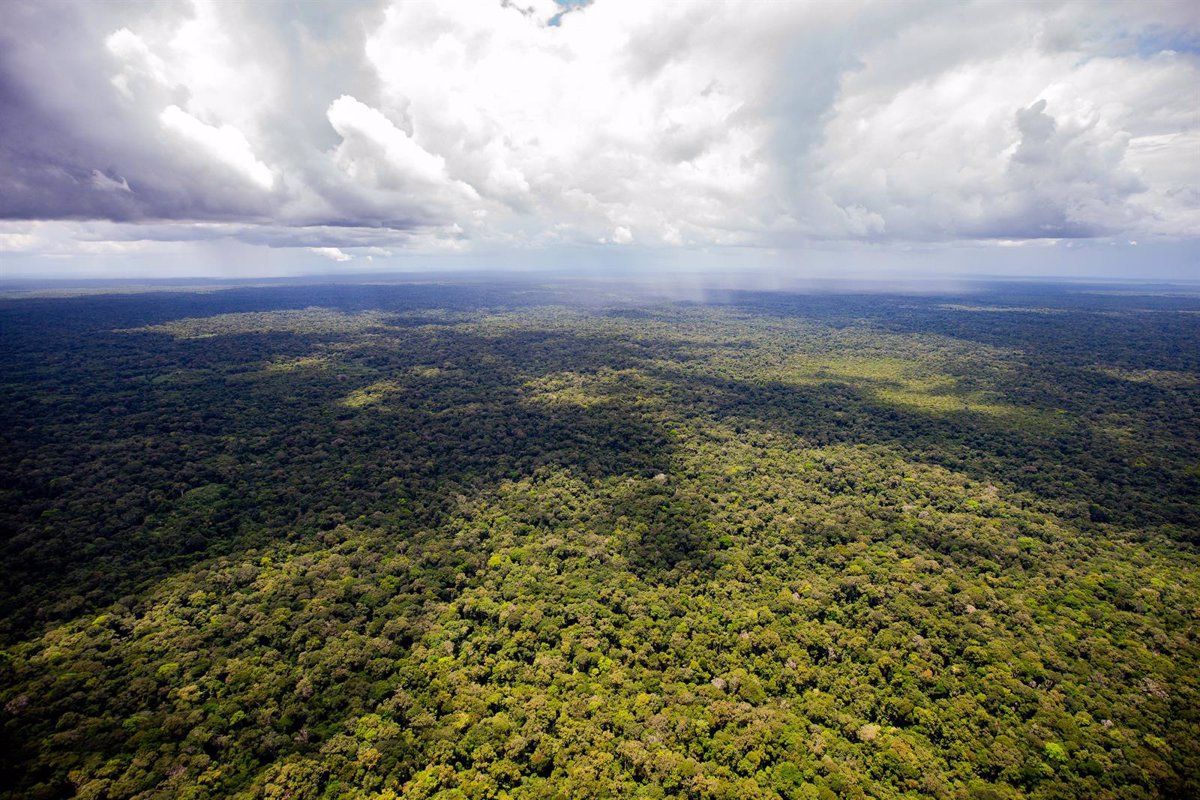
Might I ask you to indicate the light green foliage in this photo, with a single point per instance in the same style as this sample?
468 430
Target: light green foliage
306 321
904 383
372 394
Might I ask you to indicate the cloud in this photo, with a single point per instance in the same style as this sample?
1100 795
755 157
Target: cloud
138 59
622 235
332 253
625 115
106 184
1013 144
520 127
385 165
18 239
225 144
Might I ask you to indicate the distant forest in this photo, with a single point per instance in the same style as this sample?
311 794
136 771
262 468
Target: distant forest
553 539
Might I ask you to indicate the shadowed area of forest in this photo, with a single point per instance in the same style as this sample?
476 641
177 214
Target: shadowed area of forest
552 538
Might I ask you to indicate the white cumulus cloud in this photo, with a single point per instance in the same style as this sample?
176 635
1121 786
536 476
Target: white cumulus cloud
225 144
332 253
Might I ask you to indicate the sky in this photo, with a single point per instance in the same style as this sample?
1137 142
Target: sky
180 138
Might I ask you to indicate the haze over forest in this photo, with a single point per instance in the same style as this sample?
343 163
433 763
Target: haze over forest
529 399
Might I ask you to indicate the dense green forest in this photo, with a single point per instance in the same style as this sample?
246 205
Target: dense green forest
552 539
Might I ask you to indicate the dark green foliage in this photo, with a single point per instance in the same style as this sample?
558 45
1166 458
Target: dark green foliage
479 541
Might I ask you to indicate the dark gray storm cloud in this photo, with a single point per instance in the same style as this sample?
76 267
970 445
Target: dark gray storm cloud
68 143
84 134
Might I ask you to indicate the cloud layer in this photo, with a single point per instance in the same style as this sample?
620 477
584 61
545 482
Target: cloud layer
485 126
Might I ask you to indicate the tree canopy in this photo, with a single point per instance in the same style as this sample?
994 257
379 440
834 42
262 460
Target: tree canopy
551 540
